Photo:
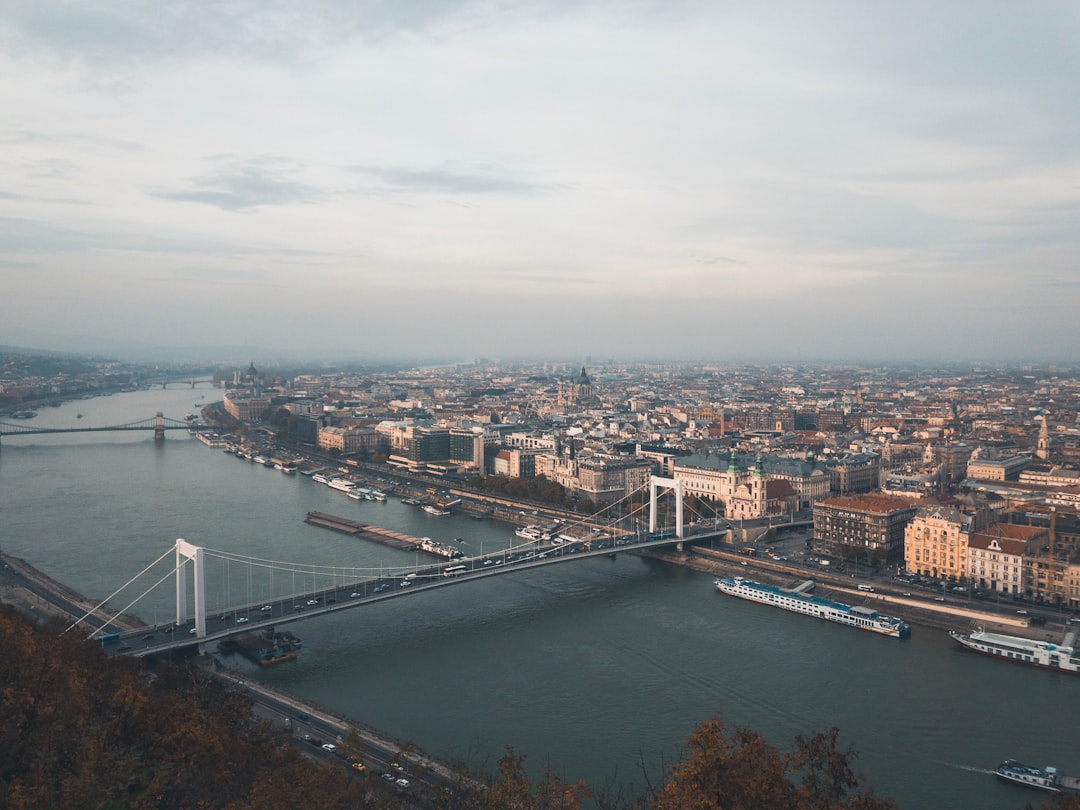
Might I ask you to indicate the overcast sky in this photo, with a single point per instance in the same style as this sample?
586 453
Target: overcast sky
864 180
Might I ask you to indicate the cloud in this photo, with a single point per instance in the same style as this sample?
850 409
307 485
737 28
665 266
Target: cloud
447 181
246 185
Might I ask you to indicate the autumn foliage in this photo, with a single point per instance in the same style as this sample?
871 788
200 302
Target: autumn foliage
80 729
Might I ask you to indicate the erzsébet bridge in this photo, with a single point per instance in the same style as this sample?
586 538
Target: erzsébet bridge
334 589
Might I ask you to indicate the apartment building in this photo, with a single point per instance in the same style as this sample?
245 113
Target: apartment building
869 525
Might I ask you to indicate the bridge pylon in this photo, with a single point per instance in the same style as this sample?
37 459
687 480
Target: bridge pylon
159 427
186 552
667 483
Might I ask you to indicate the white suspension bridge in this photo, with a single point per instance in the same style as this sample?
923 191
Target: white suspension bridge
257 593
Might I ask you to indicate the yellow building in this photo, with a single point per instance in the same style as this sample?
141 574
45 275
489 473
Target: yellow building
936 543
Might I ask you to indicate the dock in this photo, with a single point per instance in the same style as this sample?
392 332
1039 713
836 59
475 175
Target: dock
387 537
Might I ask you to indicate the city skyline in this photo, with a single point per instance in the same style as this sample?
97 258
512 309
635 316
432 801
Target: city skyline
608 179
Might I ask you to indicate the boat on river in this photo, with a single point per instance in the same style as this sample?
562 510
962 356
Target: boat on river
434 510
1063 657
798 601
1046 778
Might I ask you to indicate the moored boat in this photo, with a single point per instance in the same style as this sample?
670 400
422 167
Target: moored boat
1062 657
798 601
434 510
1046 778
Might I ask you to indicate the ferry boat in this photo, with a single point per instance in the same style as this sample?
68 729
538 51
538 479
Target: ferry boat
378 495
798 601
1062 657
434 510
341 484
1042 778
528 532
322 479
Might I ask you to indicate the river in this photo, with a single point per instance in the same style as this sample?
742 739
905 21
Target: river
599 668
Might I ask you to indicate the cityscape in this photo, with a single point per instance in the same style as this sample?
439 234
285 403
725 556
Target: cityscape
473 405
911 497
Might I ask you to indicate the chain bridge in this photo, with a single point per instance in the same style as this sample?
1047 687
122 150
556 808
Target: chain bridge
159 423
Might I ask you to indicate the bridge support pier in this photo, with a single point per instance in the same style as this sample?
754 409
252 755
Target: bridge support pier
159 427
185 552
667 483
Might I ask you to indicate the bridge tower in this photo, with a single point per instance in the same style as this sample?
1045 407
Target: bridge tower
185 552
667 483
159 427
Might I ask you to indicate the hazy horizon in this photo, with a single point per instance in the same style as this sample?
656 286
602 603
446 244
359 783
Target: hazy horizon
842 182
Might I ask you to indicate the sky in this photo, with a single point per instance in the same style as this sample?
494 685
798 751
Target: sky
381 178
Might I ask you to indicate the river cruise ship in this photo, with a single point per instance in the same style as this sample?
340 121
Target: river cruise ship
797 601
1062 657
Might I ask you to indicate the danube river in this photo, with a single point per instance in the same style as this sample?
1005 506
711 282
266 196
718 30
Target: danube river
598 667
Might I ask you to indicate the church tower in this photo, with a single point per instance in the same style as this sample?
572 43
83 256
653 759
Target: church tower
1042 448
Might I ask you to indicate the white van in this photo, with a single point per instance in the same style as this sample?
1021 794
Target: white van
868 588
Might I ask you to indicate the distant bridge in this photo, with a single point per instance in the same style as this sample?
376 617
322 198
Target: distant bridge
158 423
189 381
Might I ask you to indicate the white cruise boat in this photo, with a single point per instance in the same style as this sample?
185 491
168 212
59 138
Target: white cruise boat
797 601
1062 657
528 532
1042 778
341 484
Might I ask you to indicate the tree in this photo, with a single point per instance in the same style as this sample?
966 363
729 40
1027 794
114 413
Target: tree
740 770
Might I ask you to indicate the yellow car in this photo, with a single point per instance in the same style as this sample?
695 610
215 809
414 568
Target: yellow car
358 766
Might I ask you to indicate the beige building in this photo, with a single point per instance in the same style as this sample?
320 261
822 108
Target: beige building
244 407
936 543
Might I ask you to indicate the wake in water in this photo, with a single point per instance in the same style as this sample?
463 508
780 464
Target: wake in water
971 768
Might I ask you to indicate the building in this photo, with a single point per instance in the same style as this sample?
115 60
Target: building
996 556
438 450
351 439
857 472
867 528
998 469
246 407
936 543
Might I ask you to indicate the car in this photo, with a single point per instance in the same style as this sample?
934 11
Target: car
314 741
266 608
298 607
402 783
191 632
148 637
241 619
307 738
1022 612
168 629
358 766
355 594
405 582
313 601
389 777
329 747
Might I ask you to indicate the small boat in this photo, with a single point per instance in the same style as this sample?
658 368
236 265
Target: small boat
1041 778
78 416
434 510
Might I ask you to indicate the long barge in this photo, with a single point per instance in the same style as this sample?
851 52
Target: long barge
378 534
798 601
